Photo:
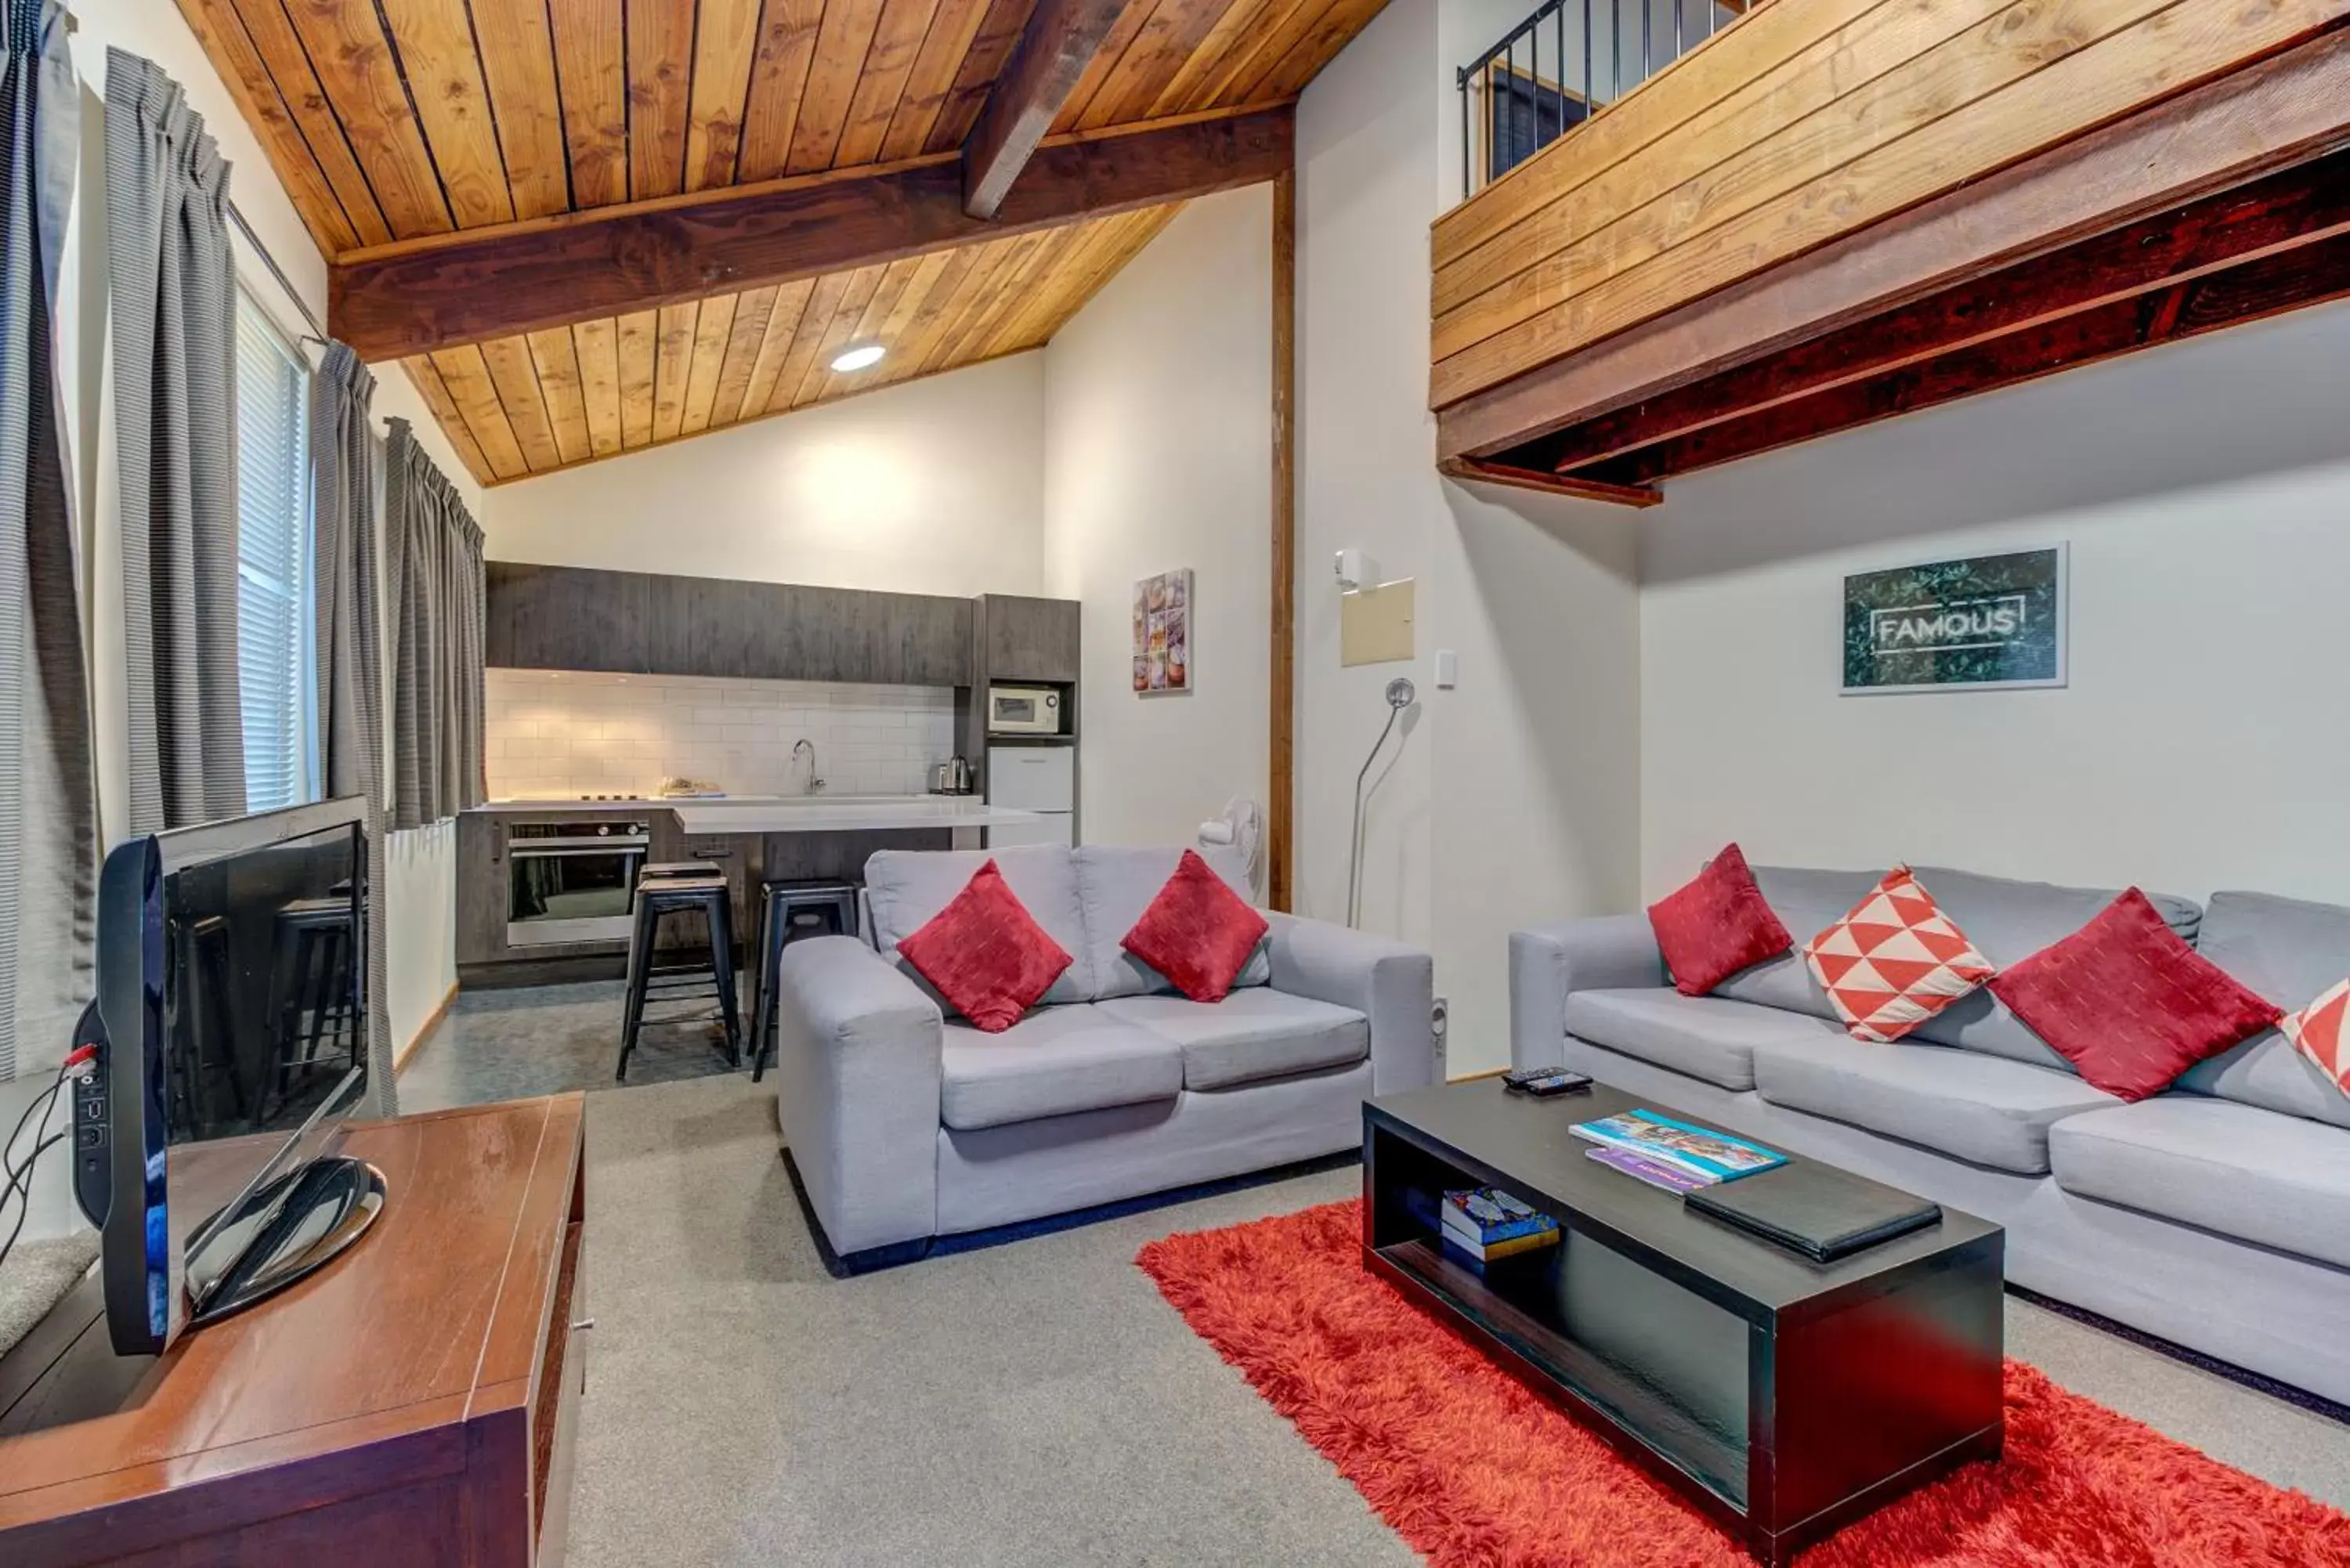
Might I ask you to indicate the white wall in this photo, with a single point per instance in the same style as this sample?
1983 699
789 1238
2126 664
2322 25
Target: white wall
1514 798
932 486
2203 489
1158 455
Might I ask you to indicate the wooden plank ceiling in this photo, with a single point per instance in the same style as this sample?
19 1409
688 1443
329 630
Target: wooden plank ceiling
527 405
392 120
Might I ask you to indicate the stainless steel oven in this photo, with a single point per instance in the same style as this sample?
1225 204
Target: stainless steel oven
572 881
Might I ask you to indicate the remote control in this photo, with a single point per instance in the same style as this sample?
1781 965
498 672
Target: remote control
1518 1077
1559 1083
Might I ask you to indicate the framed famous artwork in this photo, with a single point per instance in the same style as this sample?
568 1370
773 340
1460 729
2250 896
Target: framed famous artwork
1980 623
1162 633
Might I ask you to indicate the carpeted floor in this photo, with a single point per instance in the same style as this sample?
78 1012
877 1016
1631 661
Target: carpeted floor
1474 1468
1031 1404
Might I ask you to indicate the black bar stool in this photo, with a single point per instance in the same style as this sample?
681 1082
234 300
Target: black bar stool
788 911
682 890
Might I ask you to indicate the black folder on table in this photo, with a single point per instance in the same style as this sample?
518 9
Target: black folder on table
1815 1210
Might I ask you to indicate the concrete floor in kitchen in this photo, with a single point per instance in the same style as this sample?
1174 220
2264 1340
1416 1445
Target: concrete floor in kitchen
721 1324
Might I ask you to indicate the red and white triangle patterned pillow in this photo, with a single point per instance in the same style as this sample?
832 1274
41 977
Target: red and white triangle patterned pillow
1895 961
2321 1031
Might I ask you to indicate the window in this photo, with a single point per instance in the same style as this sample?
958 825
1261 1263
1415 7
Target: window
274 644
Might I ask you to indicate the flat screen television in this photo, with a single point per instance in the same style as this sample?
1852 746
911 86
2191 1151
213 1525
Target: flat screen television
232 1012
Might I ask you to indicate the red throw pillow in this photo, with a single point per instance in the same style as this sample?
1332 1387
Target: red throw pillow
1716 926
986 954
1197 933
2128 1003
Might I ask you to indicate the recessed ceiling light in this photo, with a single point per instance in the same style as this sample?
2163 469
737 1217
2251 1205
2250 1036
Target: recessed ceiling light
859 357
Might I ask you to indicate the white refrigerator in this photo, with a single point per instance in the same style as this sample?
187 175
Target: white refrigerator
1039 778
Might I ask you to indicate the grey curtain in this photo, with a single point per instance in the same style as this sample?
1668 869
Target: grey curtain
48 827
349 615
433 554
174 313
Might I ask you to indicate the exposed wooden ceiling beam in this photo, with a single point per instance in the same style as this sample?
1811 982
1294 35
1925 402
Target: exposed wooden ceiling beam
2298 206
2189 309
420 296
1055 49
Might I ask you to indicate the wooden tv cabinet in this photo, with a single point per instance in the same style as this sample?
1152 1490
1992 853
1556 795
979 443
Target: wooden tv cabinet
412 1402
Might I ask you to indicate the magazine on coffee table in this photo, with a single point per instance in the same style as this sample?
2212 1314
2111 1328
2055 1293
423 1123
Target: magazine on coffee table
1708 1155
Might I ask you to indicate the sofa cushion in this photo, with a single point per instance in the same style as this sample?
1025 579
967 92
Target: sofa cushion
1251 1035
2289 951
1053 1062
986 954
1715 925
1894 961
1983 1108
904 889
1116 883
2009 921
2129 1003
1197 932
1703 1037
2277 1181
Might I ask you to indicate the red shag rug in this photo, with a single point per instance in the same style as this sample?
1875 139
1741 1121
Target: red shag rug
1474 1472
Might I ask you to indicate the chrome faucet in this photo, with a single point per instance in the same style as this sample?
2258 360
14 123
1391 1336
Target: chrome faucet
815 785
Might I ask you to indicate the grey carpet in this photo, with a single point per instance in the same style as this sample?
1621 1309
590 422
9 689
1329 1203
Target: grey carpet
37 1277
549 1039
1035 1403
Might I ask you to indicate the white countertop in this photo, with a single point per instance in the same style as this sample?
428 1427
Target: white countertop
800 812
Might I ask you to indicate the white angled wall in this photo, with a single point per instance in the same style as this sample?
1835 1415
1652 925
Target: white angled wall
553 734
1158 455
932 487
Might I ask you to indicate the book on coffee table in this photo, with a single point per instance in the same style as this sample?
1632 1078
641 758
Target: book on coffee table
1816 1209
1704 1153
1640 1167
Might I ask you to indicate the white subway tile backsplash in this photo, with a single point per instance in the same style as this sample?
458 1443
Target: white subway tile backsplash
571 734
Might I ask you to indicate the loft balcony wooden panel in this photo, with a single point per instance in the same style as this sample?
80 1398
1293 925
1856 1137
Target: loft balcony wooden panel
1790 229
1802 123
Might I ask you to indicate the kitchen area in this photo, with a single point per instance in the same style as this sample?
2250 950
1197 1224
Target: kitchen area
779 733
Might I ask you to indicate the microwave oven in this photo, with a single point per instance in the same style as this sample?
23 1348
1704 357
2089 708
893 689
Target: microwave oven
1024 710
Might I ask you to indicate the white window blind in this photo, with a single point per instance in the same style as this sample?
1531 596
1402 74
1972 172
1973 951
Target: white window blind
273 555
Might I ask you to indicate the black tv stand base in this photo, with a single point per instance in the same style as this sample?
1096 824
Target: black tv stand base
326 1205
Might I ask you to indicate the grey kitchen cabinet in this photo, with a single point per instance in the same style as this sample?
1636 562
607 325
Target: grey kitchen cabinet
570 617
558 617
1028 639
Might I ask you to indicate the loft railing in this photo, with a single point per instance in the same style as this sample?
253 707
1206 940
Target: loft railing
1594 52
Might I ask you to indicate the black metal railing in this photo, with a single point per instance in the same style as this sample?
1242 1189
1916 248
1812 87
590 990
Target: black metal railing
1510 109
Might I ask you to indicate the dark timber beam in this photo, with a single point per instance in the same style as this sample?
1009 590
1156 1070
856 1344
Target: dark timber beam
1060 41
418 296
1494 470
1281 800
2189 309
2303 205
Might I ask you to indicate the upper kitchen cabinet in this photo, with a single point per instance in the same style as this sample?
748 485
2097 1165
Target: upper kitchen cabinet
570 617
558 617
1027 639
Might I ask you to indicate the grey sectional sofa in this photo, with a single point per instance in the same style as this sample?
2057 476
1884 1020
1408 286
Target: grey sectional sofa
2216 1216
905 1123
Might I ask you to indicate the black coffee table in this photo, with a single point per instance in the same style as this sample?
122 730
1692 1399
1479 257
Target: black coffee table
1784 1398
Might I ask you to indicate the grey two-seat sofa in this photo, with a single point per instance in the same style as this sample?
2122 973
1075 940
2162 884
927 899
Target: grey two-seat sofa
905 1123
2216 1215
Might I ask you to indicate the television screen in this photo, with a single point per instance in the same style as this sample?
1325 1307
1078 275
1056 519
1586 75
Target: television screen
232 980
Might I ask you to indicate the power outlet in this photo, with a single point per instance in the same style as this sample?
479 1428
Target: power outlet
1439 1024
